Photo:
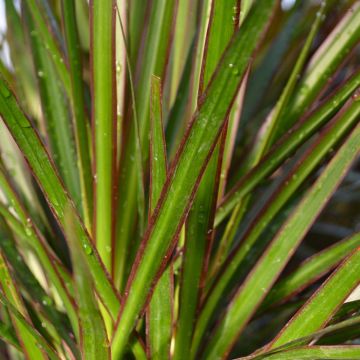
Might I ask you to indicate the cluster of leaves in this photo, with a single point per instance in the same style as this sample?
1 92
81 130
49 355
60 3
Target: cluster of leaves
162 166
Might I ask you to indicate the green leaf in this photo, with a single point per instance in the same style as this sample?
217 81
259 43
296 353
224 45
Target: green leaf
160 317
34 345
272 123
93 338
27 341
50 44
186 23
25 79
33 238
325 62
198 228
318 352
249 249
324 302
34 152
137 12
26 278
8 335
78 108
286 147
178 113
311 270
269 266
183 177
56 115
130 198
316 336
104 116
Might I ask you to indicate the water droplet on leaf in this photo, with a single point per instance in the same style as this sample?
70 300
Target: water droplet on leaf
47 301
88 250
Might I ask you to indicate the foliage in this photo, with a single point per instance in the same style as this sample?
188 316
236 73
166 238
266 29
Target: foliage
179 179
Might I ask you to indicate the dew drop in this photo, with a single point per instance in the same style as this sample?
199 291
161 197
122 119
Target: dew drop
40 74
108 249
47 301
88 250
118 67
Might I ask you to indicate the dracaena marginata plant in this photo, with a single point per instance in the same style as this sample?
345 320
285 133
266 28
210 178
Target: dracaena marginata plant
179 179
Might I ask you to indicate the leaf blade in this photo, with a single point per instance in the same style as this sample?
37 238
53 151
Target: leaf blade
312 268
323 303
209 121
284 244
160 310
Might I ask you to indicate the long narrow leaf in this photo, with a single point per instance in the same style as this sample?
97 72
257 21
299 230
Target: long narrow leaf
270 128
26 339
130 198
93 337
312 269
44 171
160 309
286 147
248 250
78 107
267 269
316 336
8 335
199 223
325 62
104 116
41 348
319 352
57 117
183 177
320 307
50 44
35 241
33 287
